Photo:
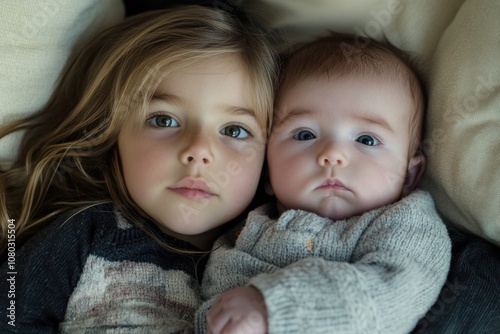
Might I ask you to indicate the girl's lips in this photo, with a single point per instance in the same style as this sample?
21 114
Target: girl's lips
192 189
192 193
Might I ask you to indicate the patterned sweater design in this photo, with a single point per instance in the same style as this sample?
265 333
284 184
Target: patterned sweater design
96 272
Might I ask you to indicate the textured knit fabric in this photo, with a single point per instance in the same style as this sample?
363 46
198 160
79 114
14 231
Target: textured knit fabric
97 273
375 273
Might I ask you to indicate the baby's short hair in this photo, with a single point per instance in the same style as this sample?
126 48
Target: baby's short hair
343 55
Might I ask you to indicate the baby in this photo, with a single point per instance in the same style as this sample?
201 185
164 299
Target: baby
349 246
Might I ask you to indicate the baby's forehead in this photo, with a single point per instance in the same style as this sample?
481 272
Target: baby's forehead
395 83
364 97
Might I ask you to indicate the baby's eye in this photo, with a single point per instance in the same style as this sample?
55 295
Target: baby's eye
235 131
163 121
304 135
367 140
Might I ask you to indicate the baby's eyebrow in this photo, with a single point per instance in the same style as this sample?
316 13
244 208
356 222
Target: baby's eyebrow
290 116
373 119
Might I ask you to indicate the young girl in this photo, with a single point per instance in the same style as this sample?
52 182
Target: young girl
157 130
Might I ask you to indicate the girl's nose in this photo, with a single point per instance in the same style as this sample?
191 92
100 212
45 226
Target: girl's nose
197 151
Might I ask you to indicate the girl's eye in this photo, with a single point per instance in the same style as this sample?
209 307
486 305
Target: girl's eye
304 135
367 140
163 121
235 131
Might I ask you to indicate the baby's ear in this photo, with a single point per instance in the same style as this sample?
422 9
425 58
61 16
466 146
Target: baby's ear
416 167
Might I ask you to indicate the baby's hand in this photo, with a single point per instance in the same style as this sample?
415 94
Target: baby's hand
240 310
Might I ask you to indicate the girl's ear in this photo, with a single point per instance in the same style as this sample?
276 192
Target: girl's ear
416 167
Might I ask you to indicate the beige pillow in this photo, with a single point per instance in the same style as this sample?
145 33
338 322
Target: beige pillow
37 38
457 44
463 140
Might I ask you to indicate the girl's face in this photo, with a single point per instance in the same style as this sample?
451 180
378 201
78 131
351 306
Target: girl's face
195 161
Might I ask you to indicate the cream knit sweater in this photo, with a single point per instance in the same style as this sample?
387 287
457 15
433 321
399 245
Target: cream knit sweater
375 273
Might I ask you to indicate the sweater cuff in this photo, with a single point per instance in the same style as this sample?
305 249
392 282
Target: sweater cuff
279 304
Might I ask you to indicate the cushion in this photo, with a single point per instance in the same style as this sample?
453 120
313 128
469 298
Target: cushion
37 38
457 46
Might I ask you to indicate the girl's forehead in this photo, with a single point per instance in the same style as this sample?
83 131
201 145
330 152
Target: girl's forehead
202 82
215 64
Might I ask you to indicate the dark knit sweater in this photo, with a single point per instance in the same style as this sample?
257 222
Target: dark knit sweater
97 272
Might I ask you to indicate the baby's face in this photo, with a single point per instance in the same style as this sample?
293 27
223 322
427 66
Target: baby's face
339 146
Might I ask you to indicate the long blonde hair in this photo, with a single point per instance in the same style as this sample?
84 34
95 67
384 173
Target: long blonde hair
68 159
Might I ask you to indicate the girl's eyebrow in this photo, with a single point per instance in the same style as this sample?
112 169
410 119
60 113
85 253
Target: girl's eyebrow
230 109
168 98
236 110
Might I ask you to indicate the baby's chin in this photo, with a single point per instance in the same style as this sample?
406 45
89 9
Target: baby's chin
333 215
334 210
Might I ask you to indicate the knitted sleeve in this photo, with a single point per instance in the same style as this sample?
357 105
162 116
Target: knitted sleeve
391 278
227 268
